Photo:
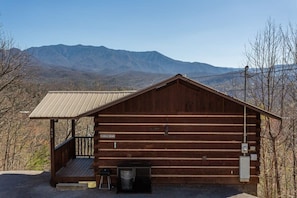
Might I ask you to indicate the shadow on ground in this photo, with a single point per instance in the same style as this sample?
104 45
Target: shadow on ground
36 184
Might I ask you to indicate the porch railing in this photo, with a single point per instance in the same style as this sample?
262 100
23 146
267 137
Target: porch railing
84 146
64 152
71 148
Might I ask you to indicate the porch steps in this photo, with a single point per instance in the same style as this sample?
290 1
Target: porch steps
71 186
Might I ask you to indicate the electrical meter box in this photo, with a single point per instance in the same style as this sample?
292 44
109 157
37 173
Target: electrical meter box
244 168
244 148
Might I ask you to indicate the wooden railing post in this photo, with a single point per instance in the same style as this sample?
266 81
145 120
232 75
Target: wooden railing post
84 146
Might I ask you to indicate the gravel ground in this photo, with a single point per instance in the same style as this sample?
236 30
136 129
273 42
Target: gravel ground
36 184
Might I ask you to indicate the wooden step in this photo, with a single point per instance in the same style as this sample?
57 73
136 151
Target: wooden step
72 186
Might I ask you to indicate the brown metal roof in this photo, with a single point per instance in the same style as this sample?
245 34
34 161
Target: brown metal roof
72 104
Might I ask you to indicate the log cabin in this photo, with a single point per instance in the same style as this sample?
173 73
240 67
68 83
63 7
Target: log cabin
187 132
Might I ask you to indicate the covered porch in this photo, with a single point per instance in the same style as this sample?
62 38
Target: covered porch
73 159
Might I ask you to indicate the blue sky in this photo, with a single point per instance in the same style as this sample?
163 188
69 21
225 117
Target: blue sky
209 31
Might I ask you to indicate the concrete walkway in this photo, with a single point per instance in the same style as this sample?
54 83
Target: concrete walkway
36 184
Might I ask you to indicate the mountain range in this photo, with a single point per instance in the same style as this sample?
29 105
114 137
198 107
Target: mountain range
130 69
109 61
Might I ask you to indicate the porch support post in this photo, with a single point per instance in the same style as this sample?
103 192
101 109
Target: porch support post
73 136
95 139
73 128
52 143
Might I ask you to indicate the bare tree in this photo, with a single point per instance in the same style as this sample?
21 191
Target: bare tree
270 57
291 43
12 62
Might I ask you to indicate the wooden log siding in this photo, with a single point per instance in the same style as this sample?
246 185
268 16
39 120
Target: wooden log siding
181 148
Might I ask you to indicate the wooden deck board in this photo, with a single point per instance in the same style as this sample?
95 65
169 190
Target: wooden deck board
78 169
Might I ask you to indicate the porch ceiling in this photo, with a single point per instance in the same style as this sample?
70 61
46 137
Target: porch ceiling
72 104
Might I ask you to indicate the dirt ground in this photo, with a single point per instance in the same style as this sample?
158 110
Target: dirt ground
36 184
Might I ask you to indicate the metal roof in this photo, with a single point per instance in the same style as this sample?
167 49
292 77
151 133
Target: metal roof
72 104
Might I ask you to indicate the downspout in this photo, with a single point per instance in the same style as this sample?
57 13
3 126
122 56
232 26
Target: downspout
244 108
244 160
244 124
